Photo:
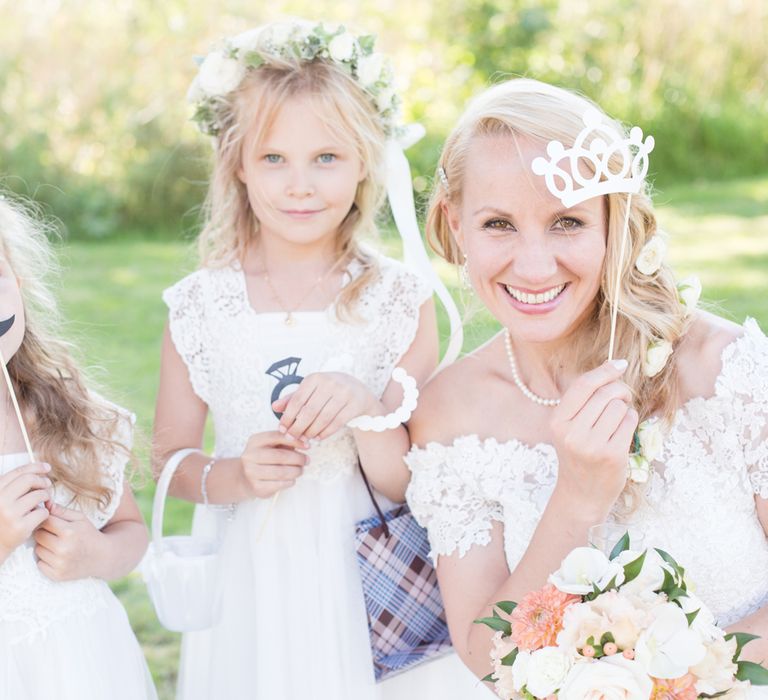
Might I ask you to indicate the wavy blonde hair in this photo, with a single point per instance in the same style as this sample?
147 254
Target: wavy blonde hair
230 224
69 427
649 309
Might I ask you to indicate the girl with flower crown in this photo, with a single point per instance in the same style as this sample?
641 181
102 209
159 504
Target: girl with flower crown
290 330
68 522
525 444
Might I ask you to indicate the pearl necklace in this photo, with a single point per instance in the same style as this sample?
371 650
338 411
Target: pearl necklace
519 382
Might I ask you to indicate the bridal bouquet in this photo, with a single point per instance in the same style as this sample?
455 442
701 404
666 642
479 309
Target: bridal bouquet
623 626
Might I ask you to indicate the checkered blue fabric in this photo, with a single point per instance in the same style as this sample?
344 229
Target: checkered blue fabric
406 619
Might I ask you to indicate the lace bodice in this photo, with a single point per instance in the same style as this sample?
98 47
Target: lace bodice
28 599
700 501
238 359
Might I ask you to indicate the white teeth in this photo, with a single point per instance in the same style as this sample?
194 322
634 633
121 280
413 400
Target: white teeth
542 298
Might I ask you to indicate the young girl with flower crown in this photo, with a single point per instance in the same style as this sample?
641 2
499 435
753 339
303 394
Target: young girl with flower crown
68 522
291 329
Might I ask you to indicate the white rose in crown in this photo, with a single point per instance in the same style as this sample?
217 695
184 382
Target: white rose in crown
547 670
651 256
689 293
219 74
651 438
369 69
195 93
582 568
342 47
668 647
716 670
656 357
610 678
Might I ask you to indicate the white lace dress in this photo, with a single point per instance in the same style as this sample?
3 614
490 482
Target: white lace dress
293 623
700 508
67 640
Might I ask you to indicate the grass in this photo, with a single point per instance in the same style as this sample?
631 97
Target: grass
112 292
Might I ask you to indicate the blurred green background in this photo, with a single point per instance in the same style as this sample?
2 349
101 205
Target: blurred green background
94 126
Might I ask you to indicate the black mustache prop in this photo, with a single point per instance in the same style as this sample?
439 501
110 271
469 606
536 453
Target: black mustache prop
6 325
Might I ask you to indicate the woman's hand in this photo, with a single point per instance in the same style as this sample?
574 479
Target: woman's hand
323 404
271 463
592 433
22 490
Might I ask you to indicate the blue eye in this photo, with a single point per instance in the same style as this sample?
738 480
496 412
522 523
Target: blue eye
273 158
326 158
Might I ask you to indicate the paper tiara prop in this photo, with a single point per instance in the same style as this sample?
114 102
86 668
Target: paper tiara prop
590 174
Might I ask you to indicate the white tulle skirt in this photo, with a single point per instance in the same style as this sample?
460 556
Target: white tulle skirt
293 623
91 655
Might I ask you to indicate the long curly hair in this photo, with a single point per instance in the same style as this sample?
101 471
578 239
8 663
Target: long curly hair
230 224
70 427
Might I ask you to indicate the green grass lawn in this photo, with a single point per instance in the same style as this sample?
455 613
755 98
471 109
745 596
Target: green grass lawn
111 292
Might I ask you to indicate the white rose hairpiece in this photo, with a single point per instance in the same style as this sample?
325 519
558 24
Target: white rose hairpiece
222 70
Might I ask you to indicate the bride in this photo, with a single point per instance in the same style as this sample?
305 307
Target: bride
523 445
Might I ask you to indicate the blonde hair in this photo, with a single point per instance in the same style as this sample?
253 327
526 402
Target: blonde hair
69 427
230 224
649 309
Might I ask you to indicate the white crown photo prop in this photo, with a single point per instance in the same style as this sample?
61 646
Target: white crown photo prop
589 174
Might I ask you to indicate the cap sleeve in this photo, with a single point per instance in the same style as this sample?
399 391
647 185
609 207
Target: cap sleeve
743 381
186 301
445 498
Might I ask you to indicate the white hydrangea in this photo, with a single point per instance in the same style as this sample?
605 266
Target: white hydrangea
342 47
219 74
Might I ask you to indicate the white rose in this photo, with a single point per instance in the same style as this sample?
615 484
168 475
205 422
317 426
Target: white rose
651 438
639 469
610 678
547 671
668 648
219 74
342 47
651 256
689 292
369 69
716 670
520 670
581 568
656 357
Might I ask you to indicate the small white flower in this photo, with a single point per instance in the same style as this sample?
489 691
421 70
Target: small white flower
219 74
651 256
369 69
384 98
547 670
668 648
342 47
689 292
651 438
656 357
582 568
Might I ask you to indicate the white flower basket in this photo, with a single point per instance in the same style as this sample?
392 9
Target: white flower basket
181 571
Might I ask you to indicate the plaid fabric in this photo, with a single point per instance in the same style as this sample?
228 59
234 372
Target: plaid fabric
405 611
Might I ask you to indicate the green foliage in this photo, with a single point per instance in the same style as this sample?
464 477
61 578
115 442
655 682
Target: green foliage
621 546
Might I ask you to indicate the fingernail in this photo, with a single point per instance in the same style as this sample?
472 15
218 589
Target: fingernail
620 365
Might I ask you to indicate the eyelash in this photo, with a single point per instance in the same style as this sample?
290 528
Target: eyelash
573 223
326 162
566 223
268 158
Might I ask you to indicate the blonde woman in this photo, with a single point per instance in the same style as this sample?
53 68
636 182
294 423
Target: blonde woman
68 521
523 445
286 297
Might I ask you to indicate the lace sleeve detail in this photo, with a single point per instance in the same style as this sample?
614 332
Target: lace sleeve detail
744 382
445 498
394 303
187 324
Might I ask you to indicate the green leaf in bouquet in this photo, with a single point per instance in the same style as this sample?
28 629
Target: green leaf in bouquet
621 546
678 570
489 678
509 659
752 672
633 569
607 637
742 639
496 623
669 582
691 616
506 606
676 593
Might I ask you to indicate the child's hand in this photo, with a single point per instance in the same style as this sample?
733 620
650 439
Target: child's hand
271 463
323 404
21 491
67 544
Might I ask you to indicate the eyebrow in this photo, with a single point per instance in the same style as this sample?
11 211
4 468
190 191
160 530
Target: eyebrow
558 214
492 210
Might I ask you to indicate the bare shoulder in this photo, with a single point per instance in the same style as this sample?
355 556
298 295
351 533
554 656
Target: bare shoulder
699 356
452 402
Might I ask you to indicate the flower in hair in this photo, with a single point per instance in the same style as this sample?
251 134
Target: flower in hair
222 70
648 443
656 357
689 292
651 256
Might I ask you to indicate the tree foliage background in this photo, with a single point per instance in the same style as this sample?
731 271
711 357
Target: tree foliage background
94 124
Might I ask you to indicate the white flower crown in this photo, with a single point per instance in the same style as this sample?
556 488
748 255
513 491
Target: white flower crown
222 70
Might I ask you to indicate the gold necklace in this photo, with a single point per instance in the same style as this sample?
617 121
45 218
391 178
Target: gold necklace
289 320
